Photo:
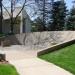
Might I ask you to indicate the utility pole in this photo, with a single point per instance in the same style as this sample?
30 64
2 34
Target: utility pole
1 16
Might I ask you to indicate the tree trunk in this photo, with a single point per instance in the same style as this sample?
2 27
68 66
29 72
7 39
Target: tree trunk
1 16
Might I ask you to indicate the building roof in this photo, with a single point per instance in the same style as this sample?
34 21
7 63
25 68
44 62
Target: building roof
32 9
16 11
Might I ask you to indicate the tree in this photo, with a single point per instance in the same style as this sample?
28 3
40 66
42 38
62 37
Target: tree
45 11
58 16
71 19
13 2
37 25
13 6
1 16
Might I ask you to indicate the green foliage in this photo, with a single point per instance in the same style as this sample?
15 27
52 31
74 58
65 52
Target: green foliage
2 35
37 25
64 58
58 16
71 20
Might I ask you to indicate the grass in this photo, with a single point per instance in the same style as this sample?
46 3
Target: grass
6 69
64 58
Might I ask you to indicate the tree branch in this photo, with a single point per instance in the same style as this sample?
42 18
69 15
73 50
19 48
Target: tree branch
20 10
6 10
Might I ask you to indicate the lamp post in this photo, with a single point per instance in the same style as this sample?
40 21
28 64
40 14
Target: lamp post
1 16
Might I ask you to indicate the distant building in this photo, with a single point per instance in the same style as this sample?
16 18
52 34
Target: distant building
28 14
26 22
22 25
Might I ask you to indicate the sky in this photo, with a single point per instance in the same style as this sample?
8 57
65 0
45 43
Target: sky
68 3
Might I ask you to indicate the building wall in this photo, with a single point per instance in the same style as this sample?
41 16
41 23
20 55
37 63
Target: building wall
26 22
22 27
6 27
6 22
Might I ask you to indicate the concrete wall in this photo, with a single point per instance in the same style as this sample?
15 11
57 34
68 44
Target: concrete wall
42 39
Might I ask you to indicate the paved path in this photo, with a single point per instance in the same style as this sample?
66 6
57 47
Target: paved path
27 63
35 66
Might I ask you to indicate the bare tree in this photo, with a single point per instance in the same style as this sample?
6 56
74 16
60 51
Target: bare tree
13 4
12 10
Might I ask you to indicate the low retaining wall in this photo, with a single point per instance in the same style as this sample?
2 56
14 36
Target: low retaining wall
56 47
41 39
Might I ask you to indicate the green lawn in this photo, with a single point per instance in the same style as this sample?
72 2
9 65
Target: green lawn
64 58
6 69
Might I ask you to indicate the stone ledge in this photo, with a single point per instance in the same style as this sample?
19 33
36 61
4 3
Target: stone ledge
56 47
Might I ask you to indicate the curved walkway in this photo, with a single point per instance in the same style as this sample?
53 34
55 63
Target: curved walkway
27 63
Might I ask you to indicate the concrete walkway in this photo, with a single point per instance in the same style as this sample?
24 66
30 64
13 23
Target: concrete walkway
35 66
27 63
